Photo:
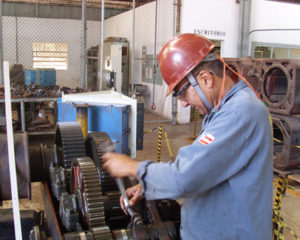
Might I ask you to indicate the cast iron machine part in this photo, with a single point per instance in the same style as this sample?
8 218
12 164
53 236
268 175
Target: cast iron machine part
280 85
286 130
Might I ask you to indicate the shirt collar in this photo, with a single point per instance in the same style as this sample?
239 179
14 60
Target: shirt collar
238 86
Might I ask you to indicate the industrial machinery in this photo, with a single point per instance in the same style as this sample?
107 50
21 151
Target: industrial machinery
81 200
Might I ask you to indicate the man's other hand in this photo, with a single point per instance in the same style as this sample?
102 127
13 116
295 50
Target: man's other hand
119 165
134 195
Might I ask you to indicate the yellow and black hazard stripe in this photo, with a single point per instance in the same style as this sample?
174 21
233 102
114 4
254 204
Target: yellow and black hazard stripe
278 222
277 219
159 142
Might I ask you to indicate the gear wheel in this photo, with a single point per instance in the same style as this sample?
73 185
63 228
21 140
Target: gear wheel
123 234
102 233
96 144
69 142
85 184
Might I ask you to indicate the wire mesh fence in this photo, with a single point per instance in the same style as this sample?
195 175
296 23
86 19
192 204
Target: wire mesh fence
150 36
38 36
44 44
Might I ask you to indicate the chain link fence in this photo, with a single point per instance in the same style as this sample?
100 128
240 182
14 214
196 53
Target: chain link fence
45 44
154 26
47 36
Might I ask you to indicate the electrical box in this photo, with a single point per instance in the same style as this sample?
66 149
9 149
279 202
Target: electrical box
115 64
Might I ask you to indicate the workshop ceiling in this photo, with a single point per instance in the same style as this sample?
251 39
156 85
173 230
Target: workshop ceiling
112 4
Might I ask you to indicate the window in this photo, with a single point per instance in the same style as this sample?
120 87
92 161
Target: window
218 46
262 52
267 50
50 55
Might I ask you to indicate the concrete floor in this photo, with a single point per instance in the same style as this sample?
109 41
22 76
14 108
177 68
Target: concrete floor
180 135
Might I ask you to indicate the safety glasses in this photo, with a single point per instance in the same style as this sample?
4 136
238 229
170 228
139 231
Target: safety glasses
182 91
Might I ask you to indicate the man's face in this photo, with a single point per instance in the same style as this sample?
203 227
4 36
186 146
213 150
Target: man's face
189 97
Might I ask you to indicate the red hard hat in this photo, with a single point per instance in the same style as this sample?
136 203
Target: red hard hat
180 55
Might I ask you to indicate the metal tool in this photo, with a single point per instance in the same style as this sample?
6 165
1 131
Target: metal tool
135 217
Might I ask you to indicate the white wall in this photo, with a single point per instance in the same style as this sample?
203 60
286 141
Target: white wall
215 15
121 26
31 30
275 15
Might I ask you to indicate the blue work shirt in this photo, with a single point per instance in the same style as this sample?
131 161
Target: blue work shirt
225 177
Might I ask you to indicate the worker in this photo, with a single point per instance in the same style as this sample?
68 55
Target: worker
225 176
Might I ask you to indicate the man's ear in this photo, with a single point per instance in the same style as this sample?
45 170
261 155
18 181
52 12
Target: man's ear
205 78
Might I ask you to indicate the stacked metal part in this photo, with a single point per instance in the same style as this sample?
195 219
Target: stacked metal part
250 68
278 83
280 88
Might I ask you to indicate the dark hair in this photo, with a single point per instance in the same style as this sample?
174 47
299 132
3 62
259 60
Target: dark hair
215 66
210 63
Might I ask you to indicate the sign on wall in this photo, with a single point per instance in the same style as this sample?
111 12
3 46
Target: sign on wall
208 32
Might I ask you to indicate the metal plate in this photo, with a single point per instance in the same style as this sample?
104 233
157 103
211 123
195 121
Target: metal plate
22 167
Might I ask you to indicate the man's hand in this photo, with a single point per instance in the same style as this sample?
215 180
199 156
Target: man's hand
119 165
134 195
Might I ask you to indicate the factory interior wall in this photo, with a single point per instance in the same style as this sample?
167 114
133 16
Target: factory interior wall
214 19
275 15
47 30
121 26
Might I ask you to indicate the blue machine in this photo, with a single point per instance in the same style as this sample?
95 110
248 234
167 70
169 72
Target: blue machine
112 119
42 77
30 77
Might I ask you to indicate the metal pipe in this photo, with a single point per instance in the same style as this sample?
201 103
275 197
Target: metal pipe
23 123
133 46
101 45
83 45
244 28
1 47
154 57
17 48
274 29
174 17
174 109
176 30
11 155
